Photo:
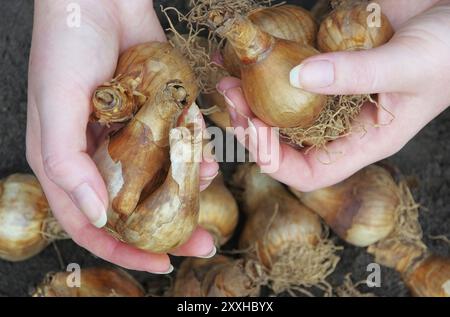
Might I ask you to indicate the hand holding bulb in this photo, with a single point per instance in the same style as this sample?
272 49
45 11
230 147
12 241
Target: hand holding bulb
66 65
410 73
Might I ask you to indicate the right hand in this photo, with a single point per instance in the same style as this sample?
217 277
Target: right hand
410 74
66 65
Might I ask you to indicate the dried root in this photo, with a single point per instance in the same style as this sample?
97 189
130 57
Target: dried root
212 13
198 48
52 230
441 237
198 51
299 265
302 266
335 121
350 289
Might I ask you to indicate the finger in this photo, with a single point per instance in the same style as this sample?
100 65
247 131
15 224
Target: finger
145 28
239 111
389 68
313 170
208 171
263 144
64 147
400 11
284 160
106 247
95 240
33 136
237 104
317 169
209 168
228 83
201 245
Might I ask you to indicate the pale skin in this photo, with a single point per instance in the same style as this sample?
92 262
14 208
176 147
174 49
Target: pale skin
66 65
411 74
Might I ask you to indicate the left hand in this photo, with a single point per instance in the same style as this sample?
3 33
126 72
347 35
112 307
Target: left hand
66 65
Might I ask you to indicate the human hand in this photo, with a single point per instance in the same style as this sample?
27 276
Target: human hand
66 65
411 74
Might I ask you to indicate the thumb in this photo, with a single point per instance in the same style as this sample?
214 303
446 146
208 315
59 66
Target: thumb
63 119
388 68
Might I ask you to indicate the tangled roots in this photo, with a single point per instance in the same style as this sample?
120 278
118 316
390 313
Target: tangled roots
404 246
350 289
335 121
52 230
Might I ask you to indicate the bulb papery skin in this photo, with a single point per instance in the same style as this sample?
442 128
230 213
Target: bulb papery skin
23 212
346 29
425 274
133 159
138 77
430 277
219 276
266 63
166 218
361 210
277 220
397 254
287 22
218 211
191 273
254 186
94 282
150 207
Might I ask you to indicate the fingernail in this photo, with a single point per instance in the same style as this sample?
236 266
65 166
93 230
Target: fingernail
90 204
170 270
205 181
253 139
316 74
252 127
210 178
231 108
218 89
209 255
228 100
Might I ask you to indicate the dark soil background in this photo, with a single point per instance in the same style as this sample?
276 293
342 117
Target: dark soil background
427 158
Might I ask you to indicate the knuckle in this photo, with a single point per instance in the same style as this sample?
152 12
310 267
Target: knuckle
55 167
360 74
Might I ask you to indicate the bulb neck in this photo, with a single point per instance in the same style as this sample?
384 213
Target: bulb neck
117 100
249 42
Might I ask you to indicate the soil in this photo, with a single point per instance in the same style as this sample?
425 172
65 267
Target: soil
426 157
